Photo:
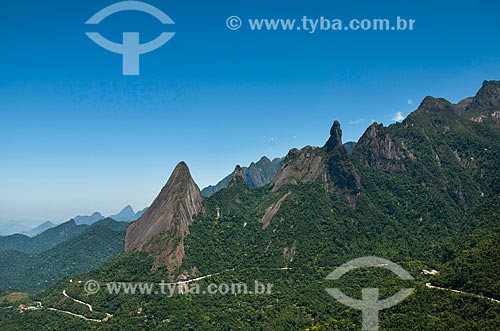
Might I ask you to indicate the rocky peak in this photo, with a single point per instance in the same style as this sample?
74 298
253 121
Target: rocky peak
167 220
431 104
332 164
377 148
343 176
262 173
300 166
264 159
237 177
373 129
487 97
181 171
292 153
127 209
127 214
335 139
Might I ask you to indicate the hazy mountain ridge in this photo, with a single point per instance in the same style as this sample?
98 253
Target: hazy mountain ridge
39 229
34 272
88 220
257 174
47 235
44 241
127 214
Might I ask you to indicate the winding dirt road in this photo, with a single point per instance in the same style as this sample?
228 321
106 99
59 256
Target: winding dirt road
429 285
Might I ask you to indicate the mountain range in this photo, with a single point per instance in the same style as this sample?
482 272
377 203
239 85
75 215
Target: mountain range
257 174
43 241
127 214
38 229
88 248
11 227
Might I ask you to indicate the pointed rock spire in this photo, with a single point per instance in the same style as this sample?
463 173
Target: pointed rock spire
335 137
237 177
169 217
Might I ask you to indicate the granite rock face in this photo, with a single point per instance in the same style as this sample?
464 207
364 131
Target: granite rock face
163 227
300 166
487 97
378 148
237 177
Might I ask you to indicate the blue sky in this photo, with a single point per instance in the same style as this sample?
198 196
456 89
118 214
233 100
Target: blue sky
76 136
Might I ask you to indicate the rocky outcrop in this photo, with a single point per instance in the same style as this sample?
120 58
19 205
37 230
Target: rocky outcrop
487 97
377 148
300 166
332 163
262 172
272 210
237 177
342 173
335 140
434 105
162 228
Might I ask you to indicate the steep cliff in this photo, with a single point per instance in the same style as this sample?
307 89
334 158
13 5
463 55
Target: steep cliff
162 228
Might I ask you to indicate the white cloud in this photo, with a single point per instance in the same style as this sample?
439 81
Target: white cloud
355 122
272 139
410 102
398 117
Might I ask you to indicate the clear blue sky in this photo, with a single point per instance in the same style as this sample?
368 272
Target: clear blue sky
76 136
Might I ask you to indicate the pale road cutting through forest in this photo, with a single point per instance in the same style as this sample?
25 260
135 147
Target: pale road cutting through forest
89 306
108 316
429 285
